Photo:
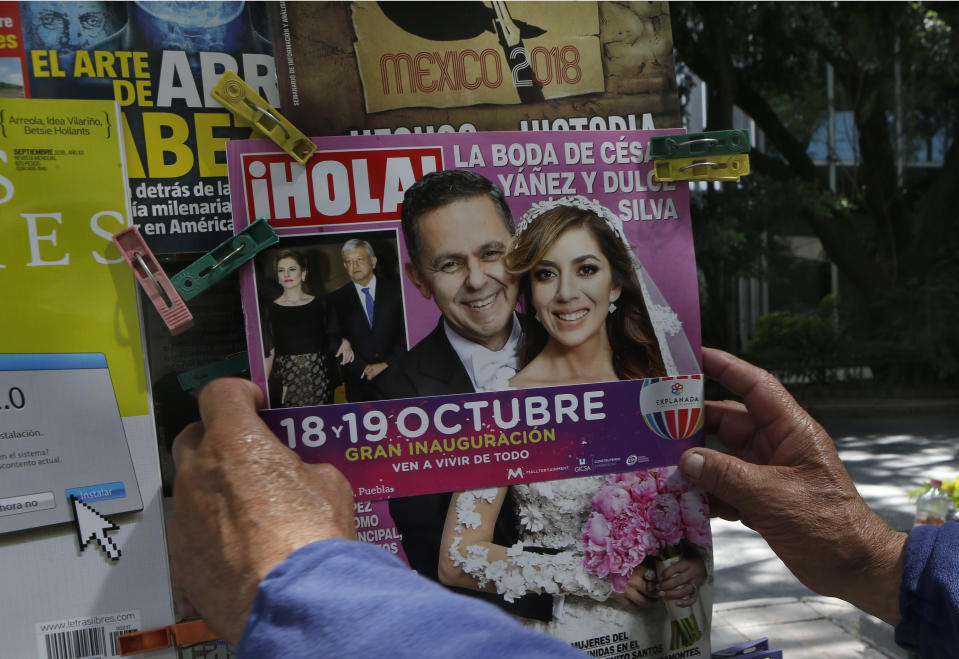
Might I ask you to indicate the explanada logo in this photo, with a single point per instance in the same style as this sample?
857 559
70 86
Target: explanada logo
334 187
672 407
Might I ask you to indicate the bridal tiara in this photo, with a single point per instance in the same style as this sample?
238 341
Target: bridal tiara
582 203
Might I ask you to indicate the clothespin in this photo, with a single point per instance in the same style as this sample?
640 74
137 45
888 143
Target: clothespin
702 168
179 635
240 99
199 376
717 142
224 259
719 155
156 284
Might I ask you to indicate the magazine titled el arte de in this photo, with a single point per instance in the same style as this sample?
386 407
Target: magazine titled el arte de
495 337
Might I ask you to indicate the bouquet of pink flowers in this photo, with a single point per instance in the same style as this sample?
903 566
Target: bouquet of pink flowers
640 515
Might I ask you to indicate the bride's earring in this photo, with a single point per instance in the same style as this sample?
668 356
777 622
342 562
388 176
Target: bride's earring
612 307
536 316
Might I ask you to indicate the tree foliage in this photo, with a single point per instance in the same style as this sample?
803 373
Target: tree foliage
802 345
895 240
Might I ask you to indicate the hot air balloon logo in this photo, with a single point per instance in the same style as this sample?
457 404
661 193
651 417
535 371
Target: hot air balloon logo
672 407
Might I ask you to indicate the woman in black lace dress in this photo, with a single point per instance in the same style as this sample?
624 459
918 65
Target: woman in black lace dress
302 360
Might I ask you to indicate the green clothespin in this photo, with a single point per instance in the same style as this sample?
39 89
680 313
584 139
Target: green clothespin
712 143
199 376
224 259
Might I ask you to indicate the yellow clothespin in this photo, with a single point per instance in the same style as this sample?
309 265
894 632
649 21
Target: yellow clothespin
702 168
240 99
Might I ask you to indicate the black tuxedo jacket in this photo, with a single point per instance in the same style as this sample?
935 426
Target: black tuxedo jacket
432 368
385 341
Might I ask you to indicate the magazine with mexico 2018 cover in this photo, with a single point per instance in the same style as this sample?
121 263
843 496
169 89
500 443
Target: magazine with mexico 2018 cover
424 67
512 322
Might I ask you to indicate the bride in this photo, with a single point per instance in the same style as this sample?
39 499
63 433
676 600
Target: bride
593 304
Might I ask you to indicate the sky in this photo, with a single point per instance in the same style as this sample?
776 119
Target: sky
10 71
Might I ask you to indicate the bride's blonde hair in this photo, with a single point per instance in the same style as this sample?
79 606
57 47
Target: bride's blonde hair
629 328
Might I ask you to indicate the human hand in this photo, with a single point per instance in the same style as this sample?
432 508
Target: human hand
372 370
785 480
641 590
243 502
345 353
682 579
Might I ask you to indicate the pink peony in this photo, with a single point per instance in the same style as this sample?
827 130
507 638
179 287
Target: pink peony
632 528
615 561
694 508
643 546
632 536
665 520
596 530
611 500
625 477
644 488
595 561
630 522
669 479
597 545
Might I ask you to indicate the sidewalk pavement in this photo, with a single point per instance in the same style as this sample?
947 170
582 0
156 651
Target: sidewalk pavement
811 626
756 595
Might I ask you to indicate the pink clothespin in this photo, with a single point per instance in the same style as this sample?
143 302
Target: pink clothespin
154 281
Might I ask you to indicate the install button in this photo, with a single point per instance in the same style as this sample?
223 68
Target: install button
27 503
98 492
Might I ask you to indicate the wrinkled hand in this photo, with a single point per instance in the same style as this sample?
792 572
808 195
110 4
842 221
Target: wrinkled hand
243 502
681 580
345 353
640 591
785 480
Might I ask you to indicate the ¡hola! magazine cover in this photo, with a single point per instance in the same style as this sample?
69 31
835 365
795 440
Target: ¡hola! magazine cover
516 369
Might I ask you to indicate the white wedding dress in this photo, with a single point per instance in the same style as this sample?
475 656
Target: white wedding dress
552 515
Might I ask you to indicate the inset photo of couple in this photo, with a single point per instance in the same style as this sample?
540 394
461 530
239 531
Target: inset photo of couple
331 312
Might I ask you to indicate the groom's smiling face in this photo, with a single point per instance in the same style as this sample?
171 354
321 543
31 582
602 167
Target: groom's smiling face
460 266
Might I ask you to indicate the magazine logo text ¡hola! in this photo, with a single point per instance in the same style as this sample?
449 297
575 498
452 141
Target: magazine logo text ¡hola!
334 187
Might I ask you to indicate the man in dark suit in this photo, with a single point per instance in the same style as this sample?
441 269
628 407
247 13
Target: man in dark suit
367 312
457 227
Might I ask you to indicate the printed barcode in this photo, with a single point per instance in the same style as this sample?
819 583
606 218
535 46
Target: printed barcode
77 644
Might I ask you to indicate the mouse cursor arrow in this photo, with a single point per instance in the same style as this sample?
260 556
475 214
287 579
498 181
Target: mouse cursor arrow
91 525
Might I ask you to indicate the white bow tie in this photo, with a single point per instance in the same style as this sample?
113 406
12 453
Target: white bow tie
493 374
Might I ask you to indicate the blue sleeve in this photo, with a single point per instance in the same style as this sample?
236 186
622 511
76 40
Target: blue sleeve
929 593
337 598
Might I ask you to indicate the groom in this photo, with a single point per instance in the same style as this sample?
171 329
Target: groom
457 227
